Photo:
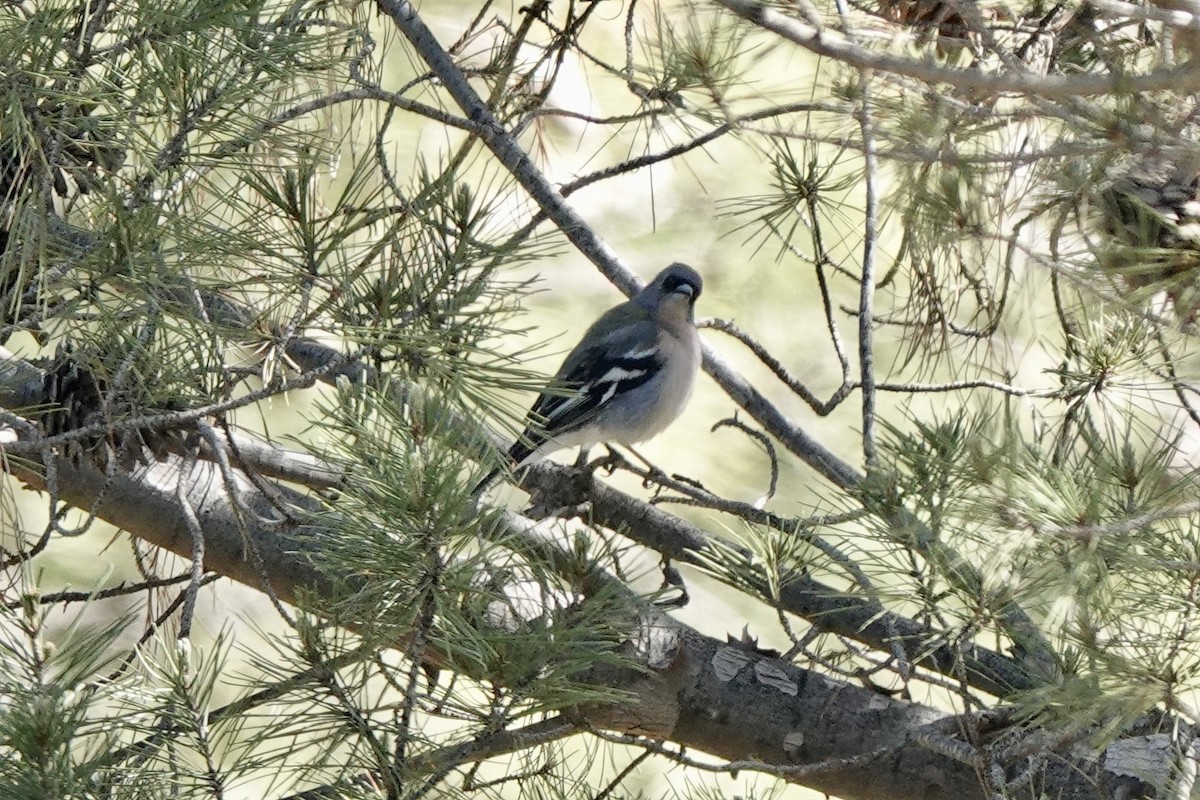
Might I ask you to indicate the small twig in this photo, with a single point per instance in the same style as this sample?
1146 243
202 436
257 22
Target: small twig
156 624
822 408
767 444
866 296
822 260
958 386
1087 533
197 532
103 594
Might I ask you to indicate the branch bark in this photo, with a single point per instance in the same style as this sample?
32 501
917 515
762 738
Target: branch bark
860 619
830 44
726 700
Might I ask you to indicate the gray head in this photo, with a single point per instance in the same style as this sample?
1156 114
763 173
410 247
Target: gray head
678 283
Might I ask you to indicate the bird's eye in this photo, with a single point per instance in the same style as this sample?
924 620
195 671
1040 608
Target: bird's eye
679 285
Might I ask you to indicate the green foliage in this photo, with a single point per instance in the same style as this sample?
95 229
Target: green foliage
412 568
152 123
1083 535
55 704
702 56
195 196
808 194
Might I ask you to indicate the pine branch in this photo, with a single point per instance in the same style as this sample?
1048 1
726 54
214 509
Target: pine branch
1017 623
729 701
834 45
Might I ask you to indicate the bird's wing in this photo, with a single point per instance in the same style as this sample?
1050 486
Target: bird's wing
592 375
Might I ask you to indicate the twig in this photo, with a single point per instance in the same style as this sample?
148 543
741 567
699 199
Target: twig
197 531
761 438
866 283
822 408
103 594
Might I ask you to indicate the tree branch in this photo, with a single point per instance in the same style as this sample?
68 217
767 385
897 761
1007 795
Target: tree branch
834 45
829 609
728 701
1017 624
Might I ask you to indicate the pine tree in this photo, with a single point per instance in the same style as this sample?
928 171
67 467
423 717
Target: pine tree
278 280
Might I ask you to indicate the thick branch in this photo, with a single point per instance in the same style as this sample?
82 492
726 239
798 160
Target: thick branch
860 619
145 504
728 701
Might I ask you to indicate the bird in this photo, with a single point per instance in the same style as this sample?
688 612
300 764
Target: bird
629 377
1150 207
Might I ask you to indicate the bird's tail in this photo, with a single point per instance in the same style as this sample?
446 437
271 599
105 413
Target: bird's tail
521 450
488 481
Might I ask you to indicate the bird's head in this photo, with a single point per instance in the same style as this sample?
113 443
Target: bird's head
673 291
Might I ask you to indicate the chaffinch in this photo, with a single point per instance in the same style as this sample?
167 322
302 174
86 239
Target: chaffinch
1151 208
629 377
